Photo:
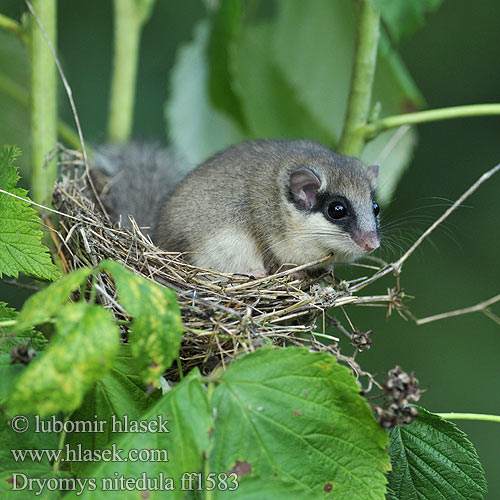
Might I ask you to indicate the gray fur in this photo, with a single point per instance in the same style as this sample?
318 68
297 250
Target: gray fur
235 212
136 179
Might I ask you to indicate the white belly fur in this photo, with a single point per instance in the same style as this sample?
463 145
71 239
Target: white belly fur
230 251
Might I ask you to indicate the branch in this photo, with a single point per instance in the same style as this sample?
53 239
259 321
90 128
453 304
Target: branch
436 223
470 416
8 322
12 26
130 16
370 130
481 307
365 59
396 267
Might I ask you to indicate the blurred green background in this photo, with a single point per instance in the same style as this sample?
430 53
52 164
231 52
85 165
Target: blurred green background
454 59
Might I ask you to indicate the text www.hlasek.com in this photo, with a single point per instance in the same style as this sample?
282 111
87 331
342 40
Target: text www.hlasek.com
79 454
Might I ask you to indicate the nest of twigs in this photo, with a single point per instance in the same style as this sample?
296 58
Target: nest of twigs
223 314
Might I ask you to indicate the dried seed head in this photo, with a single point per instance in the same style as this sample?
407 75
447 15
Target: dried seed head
362 340
401 388
22 353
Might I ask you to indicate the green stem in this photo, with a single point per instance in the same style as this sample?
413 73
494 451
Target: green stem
43 87
372 129
62 439
14 90
470 416
179 367
10 25
8 322
20 95
130 16
208 493
365 59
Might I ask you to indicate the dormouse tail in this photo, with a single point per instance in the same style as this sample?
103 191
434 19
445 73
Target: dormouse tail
136 179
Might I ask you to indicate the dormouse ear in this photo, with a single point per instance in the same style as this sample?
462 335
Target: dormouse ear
304 185
372 172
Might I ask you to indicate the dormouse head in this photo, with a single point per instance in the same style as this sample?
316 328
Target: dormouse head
334 206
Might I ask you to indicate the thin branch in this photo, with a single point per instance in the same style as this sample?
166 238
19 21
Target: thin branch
8 322
365 59
436 223
10 25
492 316
31 202
470 416
370 130
396 267
481 307
21 285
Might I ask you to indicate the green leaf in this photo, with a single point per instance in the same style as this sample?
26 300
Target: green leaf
156 331
432 458
404 17
393 86
12 337
41 306
394 151
226 26
119 392
297 416
254 488
195 127
21 249
39 469
8 374
269 102
190 420
314 49
80 353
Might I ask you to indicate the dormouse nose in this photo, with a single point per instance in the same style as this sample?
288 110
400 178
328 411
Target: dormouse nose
368 241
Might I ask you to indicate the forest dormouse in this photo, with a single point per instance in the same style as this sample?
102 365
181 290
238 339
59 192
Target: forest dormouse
259 205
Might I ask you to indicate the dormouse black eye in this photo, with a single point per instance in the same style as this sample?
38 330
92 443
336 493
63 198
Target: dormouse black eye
376 208
336 210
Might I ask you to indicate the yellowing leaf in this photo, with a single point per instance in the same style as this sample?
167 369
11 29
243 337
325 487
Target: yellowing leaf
156 331
44 304
81 352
